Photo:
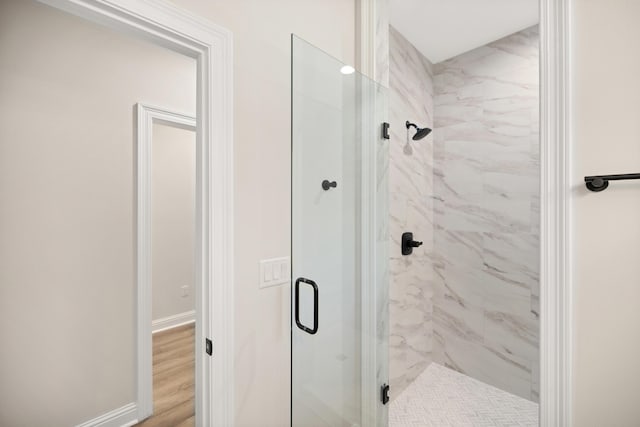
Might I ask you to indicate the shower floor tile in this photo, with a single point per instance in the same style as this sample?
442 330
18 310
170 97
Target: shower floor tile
441 397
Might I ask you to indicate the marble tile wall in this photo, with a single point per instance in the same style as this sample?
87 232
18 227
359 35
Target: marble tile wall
411 209
485 213
382 42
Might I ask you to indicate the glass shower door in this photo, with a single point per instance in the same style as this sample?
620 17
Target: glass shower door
339 244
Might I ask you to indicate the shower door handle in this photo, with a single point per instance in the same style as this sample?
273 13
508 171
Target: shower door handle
296 309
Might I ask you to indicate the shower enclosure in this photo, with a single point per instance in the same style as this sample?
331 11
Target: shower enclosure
339 344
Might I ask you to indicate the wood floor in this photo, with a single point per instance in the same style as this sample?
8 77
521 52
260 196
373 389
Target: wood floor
173 378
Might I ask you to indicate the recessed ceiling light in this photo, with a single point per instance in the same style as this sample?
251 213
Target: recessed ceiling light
347 69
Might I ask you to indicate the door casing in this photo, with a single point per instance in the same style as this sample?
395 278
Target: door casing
211 45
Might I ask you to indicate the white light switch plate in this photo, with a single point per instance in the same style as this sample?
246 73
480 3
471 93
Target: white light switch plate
275 271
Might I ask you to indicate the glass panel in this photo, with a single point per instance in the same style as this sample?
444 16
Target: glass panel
338 237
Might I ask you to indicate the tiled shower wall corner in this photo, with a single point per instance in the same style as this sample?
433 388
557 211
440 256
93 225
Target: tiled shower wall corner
486 202
411 209
469 297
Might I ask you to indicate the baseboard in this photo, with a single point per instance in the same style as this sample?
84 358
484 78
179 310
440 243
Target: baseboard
173 321
125 416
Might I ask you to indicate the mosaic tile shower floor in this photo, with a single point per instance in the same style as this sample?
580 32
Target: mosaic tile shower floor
441 397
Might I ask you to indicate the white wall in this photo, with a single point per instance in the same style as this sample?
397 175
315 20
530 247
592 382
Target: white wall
262 92
173 220
262 169
68 90
607 225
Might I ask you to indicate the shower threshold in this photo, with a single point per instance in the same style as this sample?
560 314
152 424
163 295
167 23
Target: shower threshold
442 397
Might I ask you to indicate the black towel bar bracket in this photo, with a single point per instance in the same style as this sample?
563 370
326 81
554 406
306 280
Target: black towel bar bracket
601 182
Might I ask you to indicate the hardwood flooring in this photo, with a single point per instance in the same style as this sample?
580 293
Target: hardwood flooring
173 378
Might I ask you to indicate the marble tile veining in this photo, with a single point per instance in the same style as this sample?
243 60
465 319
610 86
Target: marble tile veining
411 209
486 199
467 299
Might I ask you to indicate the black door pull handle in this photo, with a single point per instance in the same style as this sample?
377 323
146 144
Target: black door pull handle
310 282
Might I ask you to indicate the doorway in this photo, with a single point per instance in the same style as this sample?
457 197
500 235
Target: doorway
166 182
86 187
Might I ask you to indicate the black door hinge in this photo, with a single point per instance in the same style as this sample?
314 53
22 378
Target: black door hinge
208 346
385 394
385 130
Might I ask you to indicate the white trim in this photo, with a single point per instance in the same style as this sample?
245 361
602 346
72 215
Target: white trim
555 239
124 416
170 322
163 23
367 250
147 115
371 380
366 37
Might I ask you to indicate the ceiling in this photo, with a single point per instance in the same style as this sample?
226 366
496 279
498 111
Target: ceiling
442 29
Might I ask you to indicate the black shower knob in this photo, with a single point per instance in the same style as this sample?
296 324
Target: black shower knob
326 184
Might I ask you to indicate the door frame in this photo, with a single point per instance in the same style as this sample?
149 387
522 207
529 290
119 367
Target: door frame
147 116
556 287
162 23
556 327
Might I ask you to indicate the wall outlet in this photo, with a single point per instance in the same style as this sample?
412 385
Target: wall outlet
275 271
185 290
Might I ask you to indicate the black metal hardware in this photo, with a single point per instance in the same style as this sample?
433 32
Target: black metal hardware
408 243
208 346
601 182
326 185
385 130
385 394
313 330
420 132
